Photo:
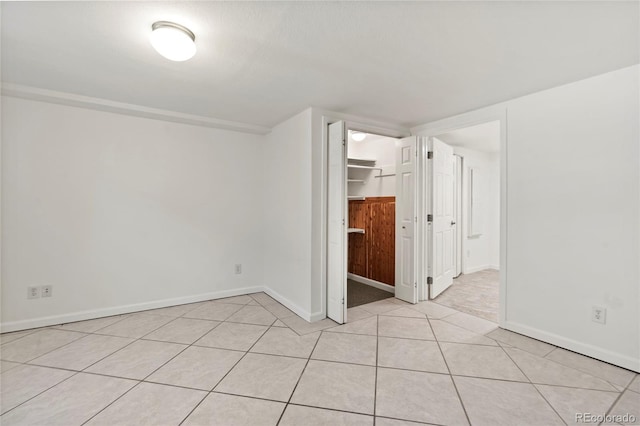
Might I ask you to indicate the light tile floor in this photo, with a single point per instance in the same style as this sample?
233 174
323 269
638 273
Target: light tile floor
476 294
248 360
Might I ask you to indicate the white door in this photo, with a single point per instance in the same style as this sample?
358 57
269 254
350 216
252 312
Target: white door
442 246
406 218
336 226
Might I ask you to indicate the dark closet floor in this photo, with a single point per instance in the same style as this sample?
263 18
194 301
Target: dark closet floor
359 294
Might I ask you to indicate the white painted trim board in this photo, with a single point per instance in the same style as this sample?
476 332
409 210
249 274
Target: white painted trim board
6 327
575 346
70 99
372 283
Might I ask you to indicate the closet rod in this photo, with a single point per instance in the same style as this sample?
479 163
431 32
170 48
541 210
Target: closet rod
387 175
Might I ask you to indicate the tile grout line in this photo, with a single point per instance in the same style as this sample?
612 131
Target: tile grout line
40 393
332 361
27 362
30 330
297 404
76 372
455 387
544 358
300 377
174 318
555 348
124 316
531 383
229 371
608 412
138 380
375 387
86 334
158 368
328 361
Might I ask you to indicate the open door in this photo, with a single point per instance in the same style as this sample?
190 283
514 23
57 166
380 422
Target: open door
442 245
336 224
406 219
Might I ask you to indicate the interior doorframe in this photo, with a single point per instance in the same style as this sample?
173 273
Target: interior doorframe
459 239
495 113
351 123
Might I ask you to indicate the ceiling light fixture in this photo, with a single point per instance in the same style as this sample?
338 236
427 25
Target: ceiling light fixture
358 136
173 41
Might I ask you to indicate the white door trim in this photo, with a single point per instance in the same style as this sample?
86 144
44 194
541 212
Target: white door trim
459 241
495 113
351 123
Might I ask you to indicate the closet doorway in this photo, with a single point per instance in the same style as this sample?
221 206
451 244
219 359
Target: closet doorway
371 235
372 212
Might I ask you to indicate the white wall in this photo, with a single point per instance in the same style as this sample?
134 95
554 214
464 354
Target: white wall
285 182
115 211
383 150
481 251
573 213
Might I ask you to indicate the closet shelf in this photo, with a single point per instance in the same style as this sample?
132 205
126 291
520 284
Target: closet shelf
361 161
355 231
355 198
355 180
357 166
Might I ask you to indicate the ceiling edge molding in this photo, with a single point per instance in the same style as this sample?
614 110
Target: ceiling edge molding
364 124
70 99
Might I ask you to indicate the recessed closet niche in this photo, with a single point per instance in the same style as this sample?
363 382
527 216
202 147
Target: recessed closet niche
371 188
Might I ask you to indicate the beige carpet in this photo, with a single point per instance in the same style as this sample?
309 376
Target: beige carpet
476 294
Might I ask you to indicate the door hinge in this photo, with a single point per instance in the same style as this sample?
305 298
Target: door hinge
429 218
343 300
415 219
430 155
342 222
429 280
415 285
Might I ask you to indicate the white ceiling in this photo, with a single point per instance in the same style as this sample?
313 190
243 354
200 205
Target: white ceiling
260 63
481 137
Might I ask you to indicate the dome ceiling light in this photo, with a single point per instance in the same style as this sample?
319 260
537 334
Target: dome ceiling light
173 41
358 136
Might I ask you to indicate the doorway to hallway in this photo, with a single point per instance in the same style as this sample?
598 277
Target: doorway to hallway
466 201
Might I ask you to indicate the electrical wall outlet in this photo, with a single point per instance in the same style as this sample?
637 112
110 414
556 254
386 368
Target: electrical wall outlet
599 314
46 291
33 292
238 268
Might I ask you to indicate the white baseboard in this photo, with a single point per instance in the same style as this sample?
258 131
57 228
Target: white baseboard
290 305
372 283
601 354
6 327
477 269
124 309
317 316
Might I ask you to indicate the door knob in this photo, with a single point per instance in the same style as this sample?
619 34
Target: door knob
452 223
